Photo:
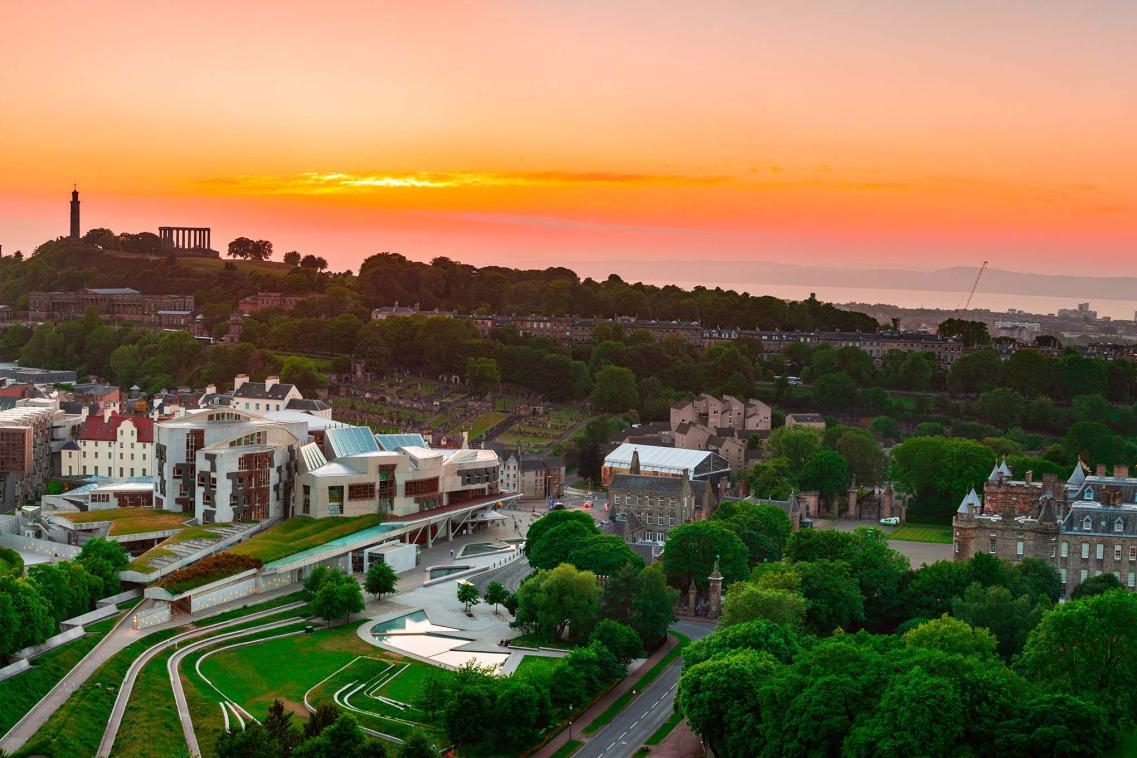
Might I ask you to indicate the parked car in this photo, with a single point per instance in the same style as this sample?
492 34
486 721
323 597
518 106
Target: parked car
890 521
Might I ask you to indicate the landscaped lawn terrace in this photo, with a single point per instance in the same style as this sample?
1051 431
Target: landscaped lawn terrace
486 421
922 533
21 692
131 520
534 664
300 533
74 731
320 664
142 562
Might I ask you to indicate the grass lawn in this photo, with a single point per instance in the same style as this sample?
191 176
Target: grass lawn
485 422
660 734
323 364
21 692
922 533
322 664
300 533
645 679
131 520
77 727
259 267
536 640
567 749
142 562
535 664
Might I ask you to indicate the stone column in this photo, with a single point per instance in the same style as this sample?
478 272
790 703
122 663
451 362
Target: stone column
852 500
692 596
715 581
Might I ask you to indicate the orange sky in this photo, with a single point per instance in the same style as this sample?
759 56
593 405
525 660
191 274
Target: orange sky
913 134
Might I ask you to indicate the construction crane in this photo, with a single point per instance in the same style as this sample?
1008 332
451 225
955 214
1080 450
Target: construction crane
972 293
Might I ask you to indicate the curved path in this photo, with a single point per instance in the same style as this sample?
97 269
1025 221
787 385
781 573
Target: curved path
123 695
176 681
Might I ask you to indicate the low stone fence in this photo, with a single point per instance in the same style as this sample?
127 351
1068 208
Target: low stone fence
51 643
12 669
89 618
49 548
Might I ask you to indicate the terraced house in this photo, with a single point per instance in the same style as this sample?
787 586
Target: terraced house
110 445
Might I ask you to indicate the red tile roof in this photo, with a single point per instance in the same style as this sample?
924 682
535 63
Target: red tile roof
94 428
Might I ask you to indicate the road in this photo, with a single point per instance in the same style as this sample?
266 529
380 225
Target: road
624 735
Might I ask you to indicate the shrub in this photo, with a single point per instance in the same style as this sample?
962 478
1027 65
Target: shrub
208 570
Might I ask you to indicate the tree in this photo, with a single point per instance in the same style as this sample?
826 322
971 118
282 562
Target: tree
796 444
25 618
381 578
303 373
554 519
341 739
863 454
1088 647
885 427
1096 585
242 247
719 699
104 559
278 724
320 719
615 390
691 549
292 258
552 547
55 587
653 605
950 635
931 710
833 595
806 545
468 595
827 472
520 703
496 593
746 601
972 333
1009 618
253 741
762 527
834 391
555 600
779 641
771 479
620 639
417 745
338 596
938 472
482 375
603 554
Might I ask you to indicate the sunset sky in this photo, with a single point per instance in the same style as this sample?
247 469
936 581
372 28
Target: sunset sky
911 133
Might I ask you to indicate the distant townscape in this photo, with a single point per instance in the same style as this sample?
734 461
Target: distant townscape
251 507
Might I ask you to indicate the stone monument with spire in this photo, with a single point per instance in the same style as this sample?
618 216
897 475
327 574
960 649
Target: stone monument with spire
715 590
75 213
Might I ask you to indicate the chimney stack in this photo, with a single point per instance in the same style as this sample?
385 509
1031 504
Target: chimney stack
239 380
211 389
1121 471
1029 477
1100 470
270 381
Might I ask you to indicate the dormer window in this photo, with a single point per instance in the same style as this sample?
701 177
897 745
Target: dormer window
1088 494
1119 525
1087 524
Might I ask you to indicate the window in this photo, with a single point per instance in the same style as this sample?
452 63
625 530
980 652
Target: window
619 499
1062 576
1117 552
1087 524
1088 494
1118 525
671 520
957 547
1099 551
335 500
307 508
1019 547
1133 552
993 545
1132 579
1085 550
1065 549
361 491
1083 575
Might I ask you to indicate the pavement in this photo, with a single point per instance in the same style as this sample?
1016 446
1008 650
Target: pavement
918 553
623 735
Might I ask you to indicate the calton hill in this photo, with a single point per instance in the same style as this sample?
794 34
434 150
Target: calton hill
829 642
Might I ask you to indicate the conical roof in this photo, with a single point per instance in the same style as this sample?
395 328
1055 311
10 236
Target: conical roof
970 503
1078 475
